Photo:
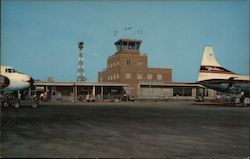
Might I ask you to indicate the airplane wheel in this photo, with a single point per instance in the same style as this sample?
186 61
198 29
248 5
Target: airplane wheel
17 105
34 105
6 104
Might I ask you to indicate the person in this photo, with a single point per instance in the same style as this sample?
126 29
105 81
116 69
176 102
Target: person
177 96
87 97
41 97
45 97
242 97
125 97
19 95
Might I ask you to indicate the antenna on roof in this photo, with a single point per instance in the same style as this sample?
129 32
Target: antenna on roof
115 32
127 31
139 32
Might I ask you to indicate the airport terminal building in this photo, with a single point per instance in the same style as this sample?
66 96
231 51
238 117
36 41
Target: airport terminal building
127 73
107 91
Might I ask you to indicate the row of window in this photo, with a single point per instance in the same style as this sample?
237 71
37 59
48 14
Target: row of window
182 91
131 46
113 77
139 76
10 70
113 64
128 62
129 76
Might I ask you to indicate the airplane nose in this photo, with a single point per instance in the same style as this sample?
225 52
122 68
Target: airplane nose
31 81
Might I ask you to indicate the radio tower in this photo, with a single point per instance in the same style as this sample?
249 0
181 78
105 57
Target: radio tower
80 71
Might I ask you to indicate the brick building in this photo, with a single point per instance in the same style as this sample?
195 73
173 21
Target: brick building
129 66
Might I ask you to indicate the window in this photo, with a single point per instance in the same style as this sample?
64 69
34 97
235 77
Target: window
108 78
111 65
117 76
182 91
9 70
128 62
139 63
101 79
159 77
117 63
114 64
128 75
149 76
139 76
114 76
201 92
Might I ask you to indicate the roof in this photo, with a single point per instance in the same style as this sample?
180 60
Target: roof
172 84
132 40
59 83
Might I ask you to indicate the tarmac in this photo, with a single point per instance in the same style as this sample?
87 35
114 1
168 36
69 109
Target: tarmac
126 130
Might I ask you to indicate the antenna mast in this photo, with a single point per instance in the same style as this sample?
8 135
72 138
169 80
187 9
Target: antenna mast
80 71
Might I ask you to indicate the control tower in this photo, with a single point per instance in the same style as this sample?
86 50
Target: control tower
128 46
128 65
80 71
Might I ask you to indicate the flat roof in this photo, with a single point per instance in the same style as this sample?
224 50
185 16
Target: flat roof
59 83
172 84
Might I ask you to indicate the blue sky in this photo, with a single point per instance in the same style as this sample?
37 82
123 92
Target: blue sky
40 37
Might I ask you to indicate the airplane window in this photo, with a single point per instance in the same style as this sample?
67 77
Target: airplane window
9 70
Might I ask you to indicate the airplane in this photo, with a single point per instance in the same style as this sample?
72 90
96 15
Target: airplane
12 80
213 75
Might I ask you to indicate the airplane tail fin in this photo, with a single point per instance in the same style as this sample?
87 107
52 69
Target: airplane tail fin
210 68
208 58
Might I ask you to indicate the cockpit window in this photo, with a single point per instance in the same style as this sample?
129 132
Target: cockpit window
10 70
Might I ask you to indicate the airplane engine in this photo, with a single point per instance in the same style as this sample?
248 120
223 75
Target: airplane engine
4 81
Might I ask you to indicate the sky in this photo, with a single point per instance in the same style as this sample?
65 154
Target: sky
40 37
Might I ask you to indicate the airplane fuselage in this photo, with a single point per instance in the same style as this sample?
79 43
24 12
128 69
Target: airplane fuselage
225 85
11 80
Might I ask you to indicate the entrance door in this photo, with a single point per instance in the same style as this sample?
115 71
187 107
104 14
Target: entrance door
53 94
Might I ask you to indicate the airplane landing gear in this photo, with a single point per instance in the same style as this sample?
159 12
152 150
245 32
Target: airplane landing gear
34 105
5 100
6 104
19 98
243 101
8 100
